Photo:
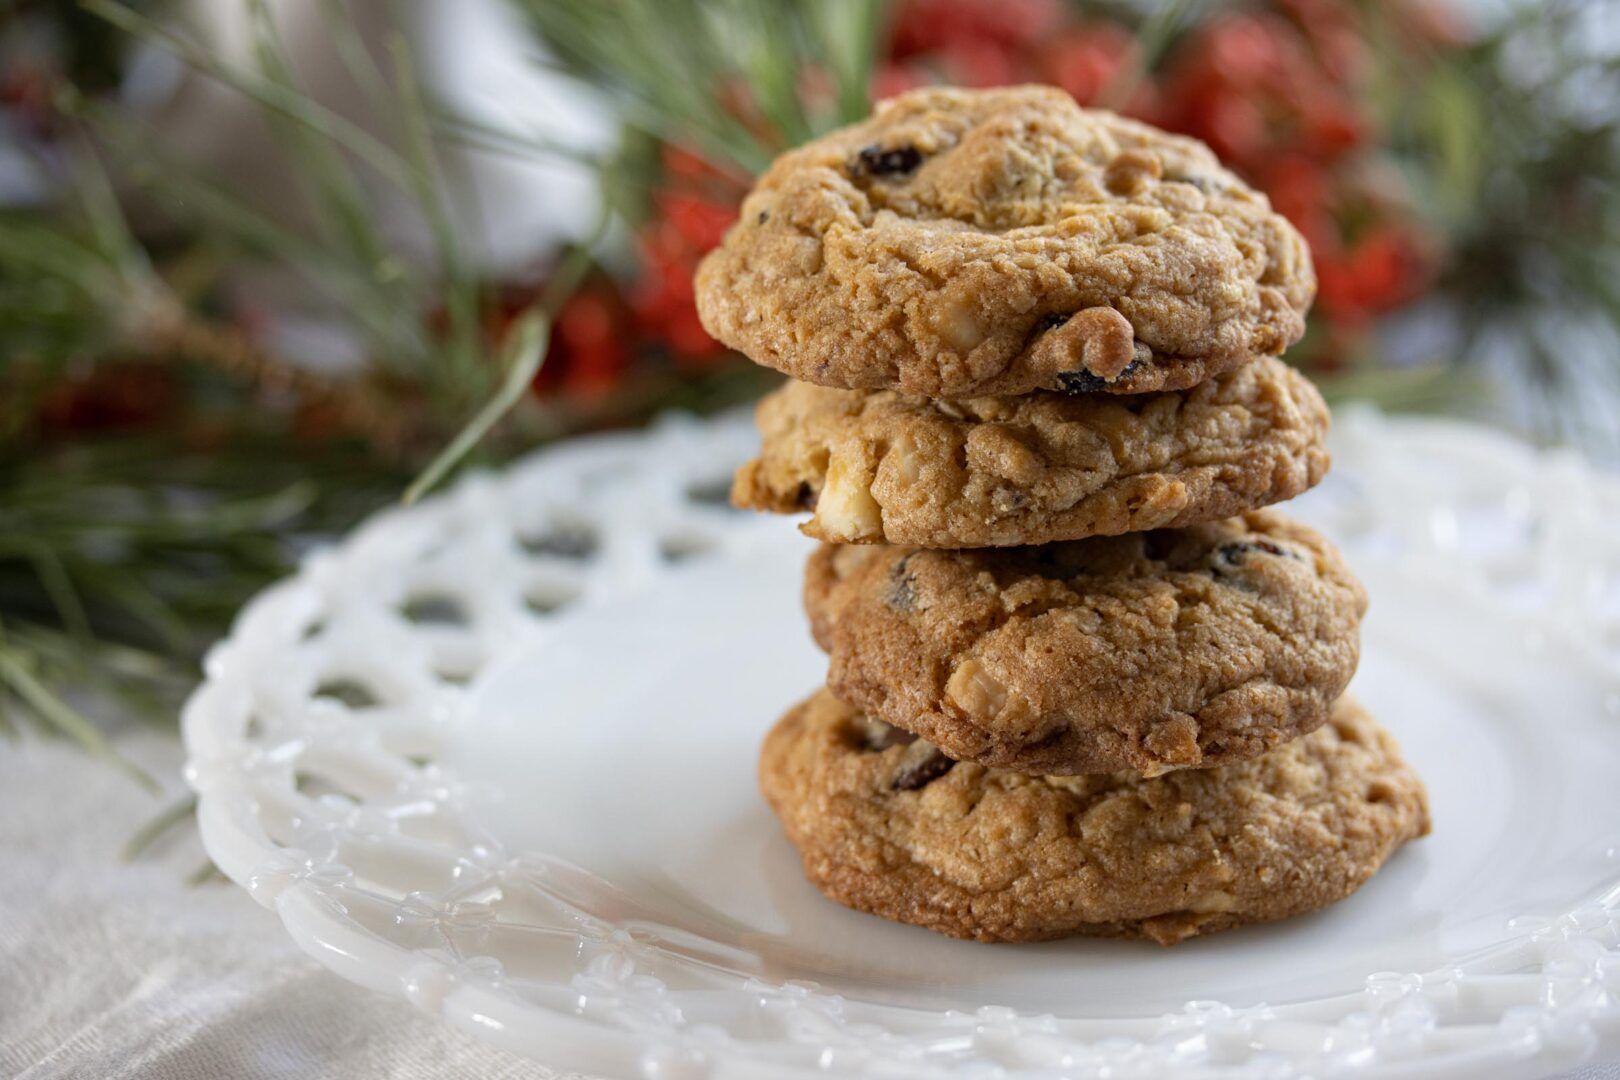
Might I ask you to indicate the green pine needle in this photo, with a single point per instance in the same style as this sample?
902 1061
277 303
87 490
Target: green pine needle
148 834
529 336
16 676
674 66
276 97
528 340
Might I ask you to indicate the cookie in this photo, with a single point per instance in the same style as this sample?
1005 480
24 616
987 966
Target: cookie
888 825
1168 649
964 243
883 467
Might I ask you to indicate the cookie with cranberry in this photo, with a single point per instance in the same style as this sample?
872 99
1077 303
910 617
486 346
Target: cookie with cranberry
884 467
1169 649
962 243
885 823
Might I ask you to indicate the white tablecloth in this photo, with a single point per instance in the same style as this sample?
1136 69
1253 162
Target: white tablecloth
118 971
112 970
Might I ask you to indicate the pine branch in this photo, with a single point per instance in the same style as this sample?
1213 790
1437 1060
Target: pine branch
721 76
530 337
17 675
353 402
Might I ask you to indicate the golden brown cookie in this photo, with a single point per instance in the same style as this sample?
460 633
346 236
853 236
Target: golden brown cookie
894 828
1169 649
962 243
878 466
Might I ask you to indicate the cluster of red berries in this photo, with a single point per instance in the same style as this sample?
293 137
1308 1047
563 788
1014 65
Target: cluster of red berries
1282 96
602 328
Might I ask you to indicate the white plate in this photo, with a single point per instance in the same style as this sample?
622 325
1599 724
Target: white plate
546 828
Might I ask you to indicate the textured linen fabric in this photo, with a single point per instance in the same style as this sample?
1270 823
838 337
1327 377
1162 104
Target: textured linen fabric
112 970
115 971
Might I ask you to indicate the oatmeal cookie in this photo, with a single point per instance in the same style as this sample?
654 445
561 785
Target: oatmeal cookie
1168 649
884 823
962 243
884 467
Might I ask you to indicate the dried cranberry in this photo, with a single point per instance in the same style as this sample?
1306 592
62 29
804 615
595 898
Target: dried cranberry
1232 555
876 161
923 771
1084 382
902 587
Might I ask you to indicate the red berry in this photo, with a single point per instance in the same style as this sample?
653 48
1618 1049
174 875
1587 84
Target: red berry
892 79
687 339
1336 293
1085 60
1388 267
699 223
1335 127
683 163
924 26
982 63
1234 126
1242 48
586 321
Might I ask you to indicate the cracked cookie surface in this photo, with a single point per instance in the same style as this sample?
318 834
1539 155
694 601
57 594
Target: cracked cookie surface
884 467
1176 648
999 856
962 243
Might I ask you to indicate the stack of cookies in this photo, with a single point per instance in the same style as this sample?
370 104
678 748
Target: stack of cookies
1080 682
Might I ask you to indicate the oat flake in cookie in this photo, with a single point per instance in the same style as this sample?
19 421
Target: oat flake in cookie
963 243
884 467
999 856
1178 648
